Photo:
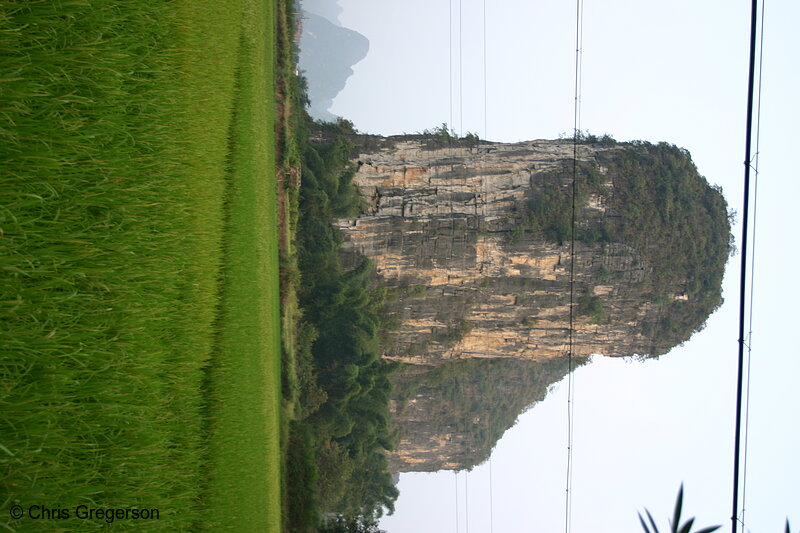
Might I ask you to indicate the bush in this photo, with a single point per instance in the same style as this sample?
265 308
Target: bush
591 306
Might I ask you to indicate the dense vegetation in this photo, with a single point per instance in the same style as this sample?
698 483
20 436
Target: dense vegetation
681 226
335 387
659 205
341 426
475 399
136 176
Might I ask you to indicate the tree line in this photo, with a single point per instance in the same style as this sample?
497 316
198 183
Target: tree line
337 465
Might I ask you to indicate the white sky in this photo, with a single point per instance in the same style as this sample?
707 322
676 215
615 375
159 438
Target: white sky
659 71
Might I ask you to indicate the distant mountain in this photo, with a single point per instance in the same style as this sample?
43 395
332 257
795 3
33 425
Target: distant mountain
329 9
327 53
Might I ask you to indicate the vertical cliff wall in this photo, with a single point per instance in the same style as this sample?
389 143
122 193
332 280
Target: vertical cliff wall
472 242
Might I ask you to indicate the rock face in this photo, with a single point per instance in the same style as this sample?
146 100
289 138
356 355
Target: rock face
439 229
452 231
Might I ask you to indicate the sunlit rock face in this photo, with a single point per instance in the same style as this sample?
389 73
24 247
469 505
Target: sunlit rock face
472 273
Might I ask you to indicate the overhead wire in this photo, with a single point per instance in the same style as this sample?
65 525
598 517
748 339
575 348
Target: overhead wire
755 163
450 128
486 137
491 499
743 273
450 43
573 224
460 74
485 94
466 499
455 474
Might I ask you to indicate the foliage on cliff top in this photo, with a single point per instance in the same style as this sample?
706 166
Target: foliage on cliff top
660 205
681 226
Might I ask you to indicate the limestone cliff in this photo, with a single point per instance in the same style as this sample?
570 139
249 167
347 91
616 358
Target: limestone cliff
472 242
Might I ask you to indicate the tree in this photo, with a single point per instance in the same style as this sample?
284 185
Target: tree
350 524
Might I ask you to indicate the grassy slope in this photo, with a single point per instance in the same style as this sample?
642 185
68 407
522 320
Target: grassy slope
115 159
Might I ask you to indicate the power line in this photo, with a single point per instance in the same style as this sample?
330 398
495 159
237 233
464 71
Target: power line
466 498
752 269
455 473
570 378
485 97
491 502
579 65
743 275
460 74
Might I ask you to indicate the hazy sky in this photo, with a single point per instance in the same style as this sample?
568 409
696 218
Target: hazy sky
659 71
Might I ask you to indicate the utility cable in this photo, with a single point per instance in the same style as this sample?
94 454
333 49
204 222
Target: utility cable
491 501
460 74
485 96
580 67
570 379
466 498
755 163
743 274
455 474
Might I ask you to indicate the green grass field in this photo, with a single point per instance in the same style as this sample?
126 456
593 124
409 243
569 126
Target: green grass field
139 326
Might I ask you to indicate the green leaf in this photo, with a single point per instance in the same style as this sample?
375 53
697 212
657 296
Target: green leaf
652 522
676 519
687 527
644 524
708 529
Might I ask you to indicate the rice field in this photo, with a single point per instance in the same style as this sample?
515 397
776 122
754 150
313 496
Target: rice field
139 329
